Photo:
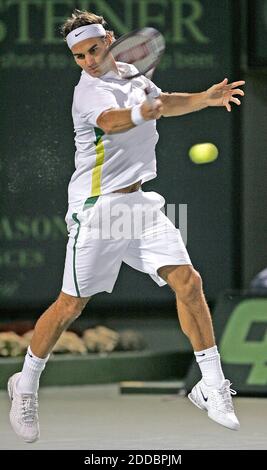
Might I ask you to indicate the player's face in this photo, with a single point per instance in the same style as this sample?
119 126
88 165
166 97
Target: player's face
89 53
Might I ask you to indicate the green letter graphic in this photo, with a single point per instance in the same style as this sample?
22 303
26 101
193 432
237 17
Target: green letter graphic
181 23
234 347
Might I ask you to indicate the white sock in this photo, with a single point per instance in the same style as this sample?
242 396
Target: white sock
210 365
30 374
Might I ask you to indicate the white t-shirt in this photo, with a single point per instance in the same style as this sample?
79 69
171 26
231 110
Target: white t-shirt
105 162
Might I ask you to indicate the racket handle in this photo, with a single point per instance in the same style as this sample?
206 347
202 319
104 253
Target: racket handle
149 98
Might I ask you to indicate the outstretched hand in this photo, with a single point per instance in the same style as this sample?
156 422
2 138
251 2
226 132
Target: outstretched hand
223 94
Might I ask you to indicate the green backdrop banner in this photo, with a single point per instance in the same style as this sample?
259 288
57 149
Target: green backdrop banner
257 33
38 75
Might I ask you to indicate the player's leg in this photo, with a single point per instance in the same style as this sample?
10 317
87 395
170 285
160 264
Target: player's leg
160 252
48 329
23 386
195 319
192 307
54 321
213 392
92 265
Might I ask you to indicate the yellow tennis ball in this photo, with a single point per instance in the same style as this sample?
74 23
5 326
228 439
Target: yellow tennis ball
203 153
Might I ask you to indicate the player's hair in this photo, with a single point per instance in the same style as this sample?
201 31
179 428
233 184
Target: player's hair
82 18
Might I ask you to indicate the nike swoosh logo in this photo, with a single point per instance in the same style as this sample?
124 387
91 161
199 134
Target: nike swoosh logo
204 398
30 354
79 33
199 355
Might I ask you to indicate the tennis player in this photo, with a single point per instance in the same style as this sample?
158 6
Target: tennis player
115 137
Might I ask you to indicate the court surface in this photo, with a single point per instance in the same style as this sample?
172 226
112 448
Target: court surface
99 417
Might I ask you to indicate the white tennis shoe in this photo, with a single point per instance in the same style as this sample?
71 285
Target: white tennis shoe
24 412
217 402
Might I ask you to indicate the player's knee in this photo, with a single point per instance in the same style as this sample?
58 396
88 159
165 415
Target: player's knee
192 288
188 287
69 308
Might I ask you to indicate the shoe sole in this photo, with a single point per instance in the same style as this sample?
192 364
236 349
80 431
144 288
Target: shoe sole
195 403
9 389
210 417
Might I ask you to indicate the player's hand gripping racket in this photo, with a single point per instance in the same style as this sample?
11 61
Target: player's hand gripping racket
142 48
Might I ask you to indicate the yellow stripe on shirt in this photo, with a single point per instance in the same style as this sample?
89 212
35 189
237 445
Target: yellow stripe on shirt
97 170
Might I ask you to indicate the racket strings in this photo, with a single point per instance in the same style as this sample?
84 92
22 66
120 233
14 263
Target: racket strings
134 53
141 50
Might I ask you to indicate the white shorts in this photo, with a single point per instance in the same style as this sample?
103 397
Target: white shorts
119 227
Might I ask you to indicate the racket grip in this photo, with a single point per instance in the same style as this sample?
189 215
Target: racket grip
149 98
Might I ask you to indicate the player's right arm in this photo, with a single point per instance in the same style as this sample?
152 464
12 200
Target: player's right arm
120 120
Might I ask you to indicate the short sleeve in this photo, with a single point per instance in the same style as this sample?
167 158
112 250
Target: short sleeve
153 90
91 102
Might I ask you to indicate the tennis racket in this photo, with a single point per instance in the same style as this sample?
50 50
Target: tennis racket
142 48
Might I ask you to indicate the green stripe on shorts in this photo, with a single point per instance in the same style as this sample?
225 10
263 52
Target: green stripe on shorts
74 216
90 202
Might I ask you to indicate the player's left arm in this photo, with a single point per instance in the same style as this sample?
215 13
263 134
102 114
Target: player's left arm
220 94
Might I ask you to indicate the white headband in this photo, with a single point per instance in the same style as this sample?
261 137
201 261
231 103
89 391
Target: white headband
85 32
